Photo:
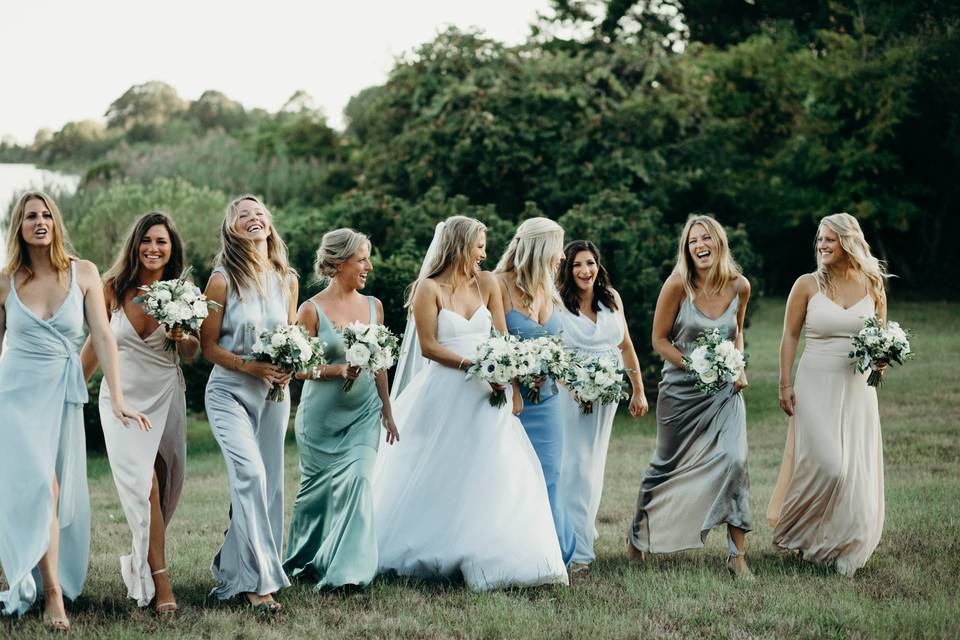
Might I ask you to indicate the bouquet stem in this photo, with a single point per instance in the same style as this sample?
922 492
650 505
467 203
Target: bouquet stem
532 395
498 398
276 393
875 379
348 385
586 407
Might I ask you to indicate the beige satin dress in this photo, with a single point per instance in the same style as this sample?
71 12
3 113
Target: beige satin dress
828 502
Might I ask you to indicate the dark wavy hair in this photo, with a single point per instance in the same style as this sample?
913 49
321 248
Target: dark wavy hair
124 275
570 293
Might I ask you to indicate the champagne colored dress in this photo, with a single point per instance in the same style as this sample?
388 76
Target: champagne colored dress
152 383
41 430
698 478
587 437
250 429
331 539
828 502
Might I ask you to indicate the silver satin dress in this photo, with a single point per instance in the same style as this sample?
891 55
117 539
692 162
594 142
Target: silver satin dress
697 479
250 431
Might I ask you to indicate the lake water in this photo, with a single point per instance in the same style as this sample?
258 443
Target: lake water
16 178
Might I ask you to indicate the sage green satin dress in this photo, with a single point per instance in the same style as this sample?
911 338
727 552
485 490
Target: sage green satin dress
331 539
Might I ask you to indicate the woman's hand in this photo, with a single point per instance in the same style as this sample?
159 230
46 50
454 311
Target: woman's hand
269 373
393 436
788 399
177 335
517 401
638 404
741 383
539 381
348 372
126 414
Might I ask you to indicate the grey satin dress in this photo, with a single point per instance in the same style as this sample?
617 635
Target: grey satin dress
250 431
697 478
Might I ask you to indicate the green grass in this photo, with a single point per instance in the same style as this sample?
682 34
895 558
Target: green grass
908 589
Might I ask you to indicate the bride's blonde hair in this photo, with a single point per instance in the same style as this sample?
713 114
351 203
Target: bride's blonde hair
861 261
457 239
529 256
724 268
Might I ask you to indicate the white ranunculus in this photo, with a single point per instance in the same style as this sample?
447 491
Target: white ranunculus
164 295
200 309
725 348
709 376
358 355
278 339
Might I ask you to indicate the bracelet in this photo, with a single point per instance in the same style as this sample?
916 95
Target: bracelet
460 366
239 363
785 386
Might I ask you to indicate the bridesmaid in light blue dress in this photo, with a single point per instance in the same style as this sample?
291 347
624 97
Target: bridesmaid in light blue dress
42 391
526 275
258 291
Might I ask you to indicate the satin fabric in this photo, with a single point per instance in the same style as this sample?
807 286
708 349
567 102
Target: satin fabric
829 497
587 437
543 423
152 383
698 477
42 392
250 429
331 539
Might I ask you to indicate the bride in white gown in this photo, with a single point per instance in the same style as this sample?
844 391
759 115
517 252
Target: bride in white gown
462 492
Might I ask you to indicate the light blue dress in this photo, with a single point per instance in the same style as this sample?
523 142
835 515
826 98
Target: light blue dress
250 429
543 423
42 394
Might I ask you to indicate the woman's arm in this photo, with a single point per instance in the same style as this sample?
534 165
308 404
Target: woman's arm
210 335
4 292
668 306
793 318
638 400
492 288
104 344
744 293
425 314
383 390
88 357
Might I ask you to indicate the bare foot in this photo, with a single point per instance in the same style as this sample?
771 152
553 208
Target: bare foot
737 566
263 604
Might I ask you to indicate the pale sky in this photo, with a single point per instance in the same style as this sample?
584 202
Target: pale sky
68 60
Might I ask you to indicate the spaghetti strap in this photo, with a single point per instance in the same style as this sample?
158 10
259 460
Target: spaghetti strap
320 315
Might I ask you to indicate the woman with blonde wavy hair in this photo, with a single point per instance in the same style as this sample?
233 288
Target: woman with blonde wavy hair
258 291
332 542
462 493
527 274
828 502
697 479
46 295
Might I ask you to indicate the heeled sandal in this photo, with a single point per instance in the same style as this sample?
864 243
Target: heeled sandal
635 555
739 570
162 608
50 623
266 607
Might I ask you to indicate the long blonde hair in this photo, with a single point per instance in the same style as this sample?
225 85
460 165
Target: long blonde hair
724 268
60 250
529 256
238 255
458 238
860 259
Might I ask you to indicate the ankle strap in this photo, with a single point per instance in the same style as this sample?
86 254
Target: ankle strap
159 571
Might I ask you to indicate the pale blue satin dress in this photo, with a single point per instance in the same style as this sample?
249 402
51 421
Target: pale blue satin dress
250 429
543 423
42 392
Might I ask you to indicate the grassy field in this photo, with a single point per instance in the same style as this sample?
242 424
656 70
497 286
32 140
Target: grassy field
910 588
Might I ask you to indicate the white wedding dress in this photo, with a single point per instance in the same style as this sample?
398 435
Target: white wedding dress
462 492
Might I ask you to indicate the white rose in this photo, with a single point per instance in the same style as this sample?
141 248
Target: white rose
200 309
278 339
163 295
358 355
725 348
709 376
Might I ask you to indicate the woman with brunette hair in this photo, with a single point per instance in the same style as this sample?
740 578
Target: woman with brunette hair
148 468
593 324
697 479
46 295
332 541
526 273
462 493
828 501
258 291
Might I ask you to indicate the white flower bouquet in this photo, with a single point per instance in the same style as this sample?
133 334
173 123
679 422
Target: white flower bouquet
496 363
370 348
175 304
879 343
596 380
289 348
539 358
714 362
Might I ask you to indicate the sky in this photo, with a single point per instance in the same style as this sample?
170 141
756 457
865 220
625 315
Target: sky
68 60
